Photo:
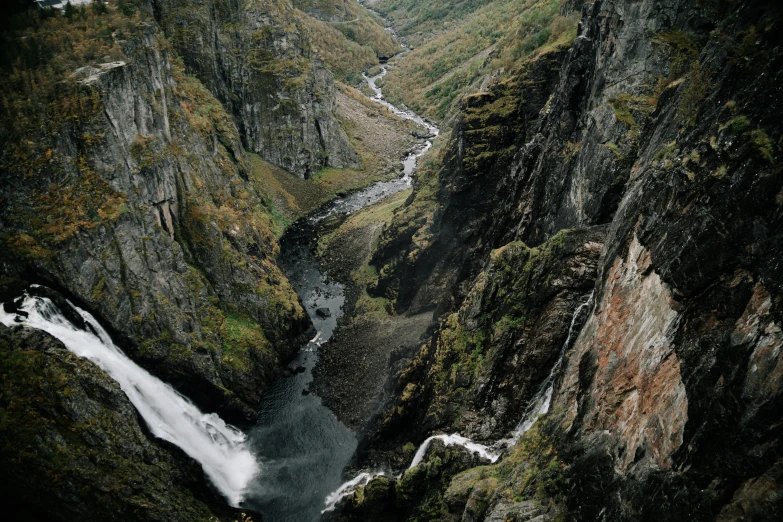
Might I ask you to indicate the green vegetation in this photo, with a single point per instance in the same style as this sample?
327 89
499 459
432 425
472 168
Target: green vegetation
721 172
439 487
40 101
666 151
419 19
501 34
349 38
683 50
618 154
684 66
740 126
762 144
696 90
532 470
241 336
632 110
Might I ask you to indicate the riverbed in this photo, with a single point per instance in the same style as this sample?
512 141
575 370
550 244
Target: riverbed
301 446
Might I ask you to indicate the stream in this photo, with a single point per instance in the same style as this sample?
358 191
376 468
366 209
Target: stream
301 446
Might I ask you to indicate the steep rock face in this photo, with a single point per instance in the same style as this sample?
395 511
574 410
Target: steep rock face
256 58
490 357
637 390
73 448
133 199
449 223
663 125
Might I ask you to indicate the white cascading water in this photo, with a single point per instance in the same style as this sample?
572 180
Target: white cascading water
347 488
217 446
455 439
543 400
538 406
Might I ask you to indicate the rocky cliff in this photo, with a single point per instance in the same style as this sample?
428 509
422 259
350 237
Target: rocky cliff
659 136
126 186
77 450
257 59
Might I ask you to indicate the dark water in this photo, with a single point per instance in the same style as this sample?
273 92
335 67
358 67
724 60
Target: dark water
301 446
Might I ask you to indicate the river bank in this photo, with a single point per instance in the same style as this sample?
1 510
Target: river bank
306 437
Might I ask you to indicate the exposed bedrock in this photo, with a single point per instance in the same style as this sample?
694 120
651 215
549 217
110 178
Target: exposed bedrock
661 132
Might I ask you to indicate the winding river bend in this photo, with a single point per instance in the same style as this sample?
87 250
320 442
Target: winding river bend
301 446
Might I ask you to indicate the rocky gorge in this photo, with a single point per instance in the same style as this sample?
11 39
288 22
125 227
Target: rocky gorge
572 314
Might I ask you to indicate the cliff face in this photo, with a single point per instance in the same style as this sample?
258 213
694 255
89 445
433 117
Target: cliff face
257 59
456 213
78 452
492 355
127 187
662 130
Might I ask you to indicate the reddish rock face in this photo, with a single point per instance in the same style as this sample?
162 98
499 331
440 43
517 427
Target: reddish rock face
757 327
636 395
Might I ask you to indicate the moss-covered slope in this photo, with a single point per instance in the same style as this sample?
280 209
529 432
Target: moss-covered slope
125 185
72 447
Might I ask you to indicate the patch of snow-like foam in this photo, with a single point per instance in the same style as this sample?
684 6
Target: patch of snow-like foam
348 488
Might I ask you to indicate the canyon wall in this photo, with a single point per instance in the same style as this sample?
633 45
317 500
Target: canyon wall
654 161
127 187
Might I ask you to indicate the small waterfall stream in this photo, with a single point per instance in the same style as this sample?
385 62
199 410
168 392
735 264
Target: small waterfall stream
543 399
217 446
539 405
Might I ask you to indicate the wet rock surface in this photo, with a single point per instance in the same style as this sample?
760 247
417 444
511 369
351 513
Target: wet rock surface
662 409
74 447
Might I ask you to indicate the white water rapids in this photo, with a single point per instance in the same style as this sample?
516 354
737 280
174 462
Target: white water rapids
217 446
538 406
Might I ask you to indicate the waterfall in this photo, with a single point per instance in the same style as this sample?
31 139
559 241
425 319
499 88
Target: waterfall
217 446
543 399
454 439
537 407
347 488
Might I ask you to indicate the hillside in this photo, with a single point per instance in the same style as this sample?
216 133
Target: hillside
348 37
493 39
500 261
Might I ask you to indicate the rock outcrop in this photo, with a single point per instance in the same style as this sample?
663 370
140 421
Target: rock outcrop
257 59
73 448
661 130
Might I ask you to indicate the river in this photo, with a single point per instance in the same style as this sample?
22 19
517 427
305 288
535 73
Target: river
302 447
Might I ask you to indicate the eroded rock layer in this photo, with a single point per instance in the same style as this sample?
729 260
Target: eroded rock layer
660 136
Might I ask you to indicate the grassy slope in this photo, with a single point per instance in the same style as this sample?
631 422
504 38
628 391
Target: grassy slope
500 35
418 20
380 138
348 37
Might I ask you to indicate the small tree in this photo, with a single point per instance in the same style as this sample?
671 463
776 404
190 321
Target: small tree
98 7
69 11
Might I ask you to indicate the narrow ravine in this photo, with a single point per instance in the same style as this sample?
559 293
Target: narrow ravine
302 447
537 407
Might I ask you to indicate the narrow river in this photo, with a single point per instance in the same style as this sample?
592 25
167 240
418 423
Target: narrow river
301 446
